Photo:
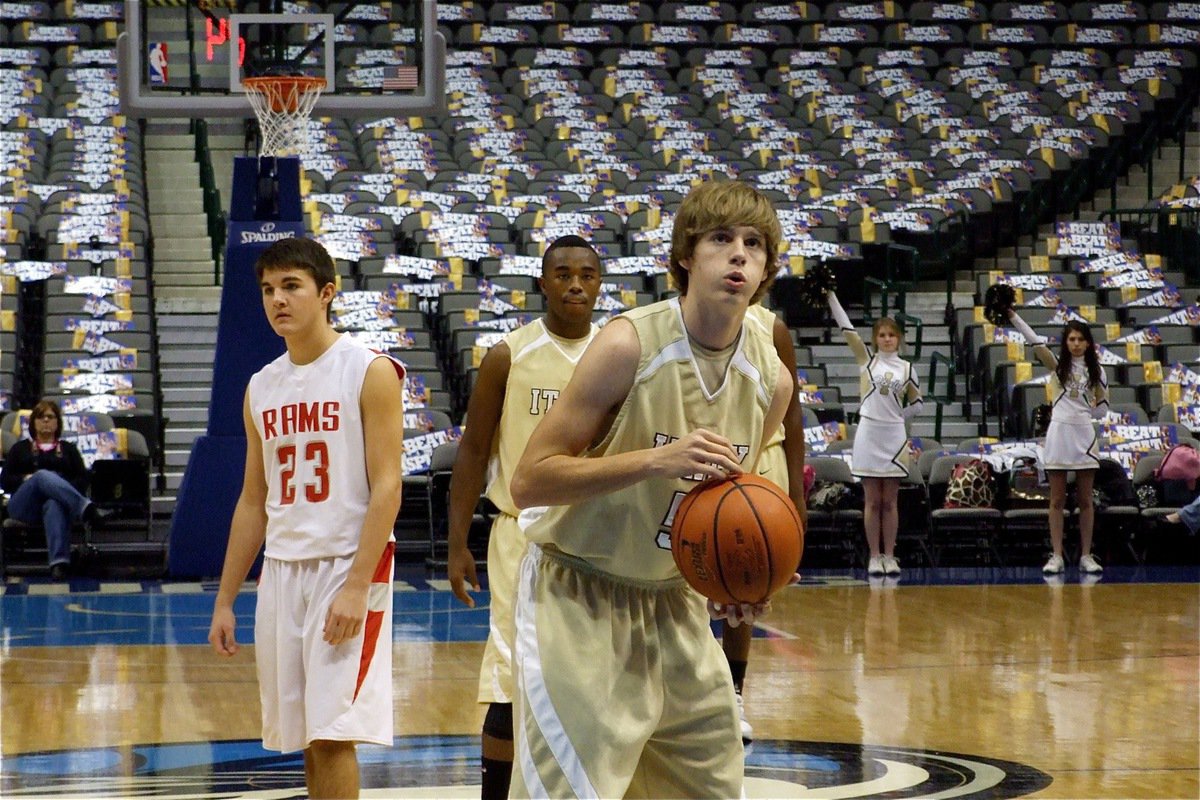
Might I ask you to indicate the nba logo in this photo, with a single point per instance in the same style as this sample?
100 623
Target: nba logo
156 58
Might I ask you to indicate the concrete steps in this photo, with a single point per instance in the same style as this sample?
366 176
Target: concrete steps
185 356
187 341
182 248
181 436
183 283
842 372
226 141
187 377
1137 189
186 396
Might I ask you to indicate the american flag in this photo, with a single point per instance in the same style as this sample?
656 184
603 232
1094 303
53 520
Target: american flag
399 78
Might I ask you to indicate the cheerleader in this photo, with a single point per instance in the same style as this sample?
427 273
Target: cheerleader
890 395
1079 389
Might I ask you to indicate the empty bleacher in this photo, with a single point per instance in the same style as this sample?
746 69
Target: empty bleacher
924 151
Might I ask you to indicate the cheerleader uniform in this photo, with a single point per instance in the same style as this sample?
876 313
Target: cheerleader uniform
886 381
1071 441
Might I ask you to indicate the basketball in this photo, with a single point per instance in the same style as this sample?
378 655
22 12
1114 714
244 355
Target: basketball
738 540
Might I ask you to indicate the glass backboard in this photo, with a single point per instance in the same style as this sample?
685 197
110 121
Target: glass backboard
187 58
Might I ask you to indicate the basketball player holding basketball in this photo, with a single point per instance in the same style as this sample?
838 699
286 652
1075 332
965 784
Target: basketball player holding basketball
324 433
621 686
519 380
782 463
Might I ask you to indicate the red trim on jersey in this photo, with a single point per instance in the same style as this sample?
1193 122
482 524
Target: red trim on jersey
374 621
400 371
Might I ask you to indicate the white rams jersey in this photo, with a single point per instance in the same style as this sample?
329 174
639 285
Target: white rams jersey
314 457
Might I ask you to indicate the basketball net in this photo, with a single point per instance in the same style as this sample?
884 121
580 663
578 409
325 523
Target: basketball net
283 104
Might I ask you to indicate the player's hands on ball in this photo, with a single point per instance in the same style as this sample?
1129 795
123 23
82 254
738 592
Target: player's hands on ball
701 452
345 616
736 614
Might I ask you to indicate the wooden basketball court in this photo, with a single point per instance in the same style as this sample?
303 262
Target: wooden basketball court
972 683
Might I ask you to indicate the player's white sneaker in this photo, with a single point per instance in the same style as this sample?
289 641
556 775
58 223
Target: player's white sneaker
875 566
1088 563
747 731
1053 566
891 565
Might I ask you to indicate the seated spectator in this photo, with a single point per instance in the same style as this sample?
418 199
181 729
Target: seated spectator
45 479
1189 515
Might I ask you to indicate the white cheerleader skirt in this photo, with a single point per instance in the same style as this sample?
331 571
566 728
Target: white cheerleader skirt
880 449
1071 446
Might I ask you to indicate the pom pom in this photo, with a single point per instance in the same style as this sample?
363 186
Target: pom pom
818 280
997 302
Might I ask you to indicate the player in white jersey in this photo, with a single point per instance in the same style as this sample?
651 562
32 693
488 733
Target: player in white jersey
324 433
621 688
890 395
519 380
1079 389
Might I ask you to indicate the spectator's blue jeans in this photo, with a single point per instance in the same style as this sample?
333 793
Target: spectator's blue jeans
1190 514
48 499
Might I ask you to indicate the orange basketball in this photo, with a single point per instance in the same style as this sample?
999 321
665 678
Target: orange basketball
737 540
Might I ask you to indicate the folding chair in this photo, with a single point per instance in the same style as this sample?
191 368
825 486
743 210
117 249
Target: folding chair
913 545
413 523
1156 539
1116 525
122 484
1026 528
833 533
972 529
440 470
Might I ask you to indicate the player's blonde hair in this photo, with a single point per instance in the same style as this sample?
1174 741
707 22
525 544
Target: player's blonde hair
723 204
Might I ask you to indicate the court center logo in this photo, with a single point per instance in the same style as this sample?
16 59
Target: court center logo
446 767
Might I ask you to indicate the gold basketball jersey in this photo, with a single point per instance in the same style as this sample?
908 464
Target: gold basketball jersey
761 320
627 532
540 365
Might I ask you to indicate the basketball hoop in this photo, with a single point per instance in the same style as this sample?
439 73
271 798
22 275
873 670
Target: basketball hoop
283 104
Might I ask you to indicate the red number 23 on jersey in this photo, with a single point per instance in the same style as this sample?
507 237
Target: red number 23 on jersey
315 453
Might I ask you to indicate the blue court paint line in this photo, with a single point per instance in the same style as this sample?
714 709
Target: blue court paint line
75 762
415 580
764 757
157 617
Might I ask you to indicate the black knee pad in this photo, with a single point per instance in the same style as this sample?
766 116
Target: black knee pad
498 722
